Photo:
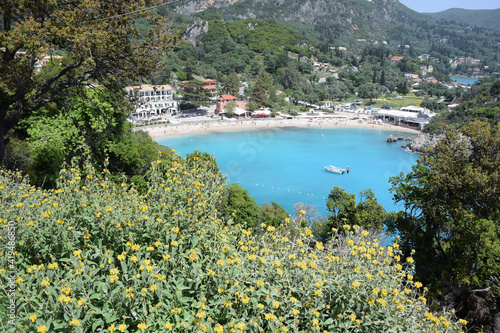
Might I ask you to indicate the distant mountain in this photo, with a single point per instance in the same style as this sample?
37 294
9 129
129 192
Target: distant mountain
361 18
489 19
356 24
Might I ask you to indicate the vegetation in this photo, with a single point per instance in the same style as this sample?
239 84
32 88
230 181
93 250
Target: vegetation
481 18
344 209
165 261
97 48
95 131
452 209
481 102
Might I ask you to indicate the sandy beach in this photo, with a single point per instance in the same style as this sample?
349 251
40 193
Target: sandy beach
208 125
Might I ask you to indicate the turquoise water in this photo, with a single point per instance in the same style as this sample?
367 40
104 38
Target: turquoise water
286 165
465 80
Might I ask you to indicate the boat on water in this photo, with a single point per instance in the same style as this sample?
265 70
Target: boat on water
334 169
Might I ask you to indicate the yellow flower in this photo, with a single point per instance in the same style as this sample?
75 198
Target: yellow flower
382 301
33 318
122 327
45 282
418 284
218 328
295 312
81 302
270 316
42 329
355 284
220 262
174 243
276 304
142 326
168 326
75 322
352 316
111 328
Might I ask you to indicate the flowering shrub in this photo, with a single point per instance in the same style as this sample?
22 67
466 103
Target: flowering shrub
94 255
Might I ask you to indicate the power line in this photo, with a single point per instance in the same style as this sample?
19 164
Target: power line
137 11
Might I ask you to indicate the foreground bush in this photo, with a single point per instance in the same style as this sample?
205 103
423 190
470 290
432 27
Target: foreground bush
97 256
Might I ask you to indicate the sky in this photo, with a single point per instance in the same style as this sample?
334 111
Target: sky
434 6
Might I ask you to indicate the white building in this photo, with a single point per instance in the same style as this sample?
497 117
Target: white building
151 100
406 118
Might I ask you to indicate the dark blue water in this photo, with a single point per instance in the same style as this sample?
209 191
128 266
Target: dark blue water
286 165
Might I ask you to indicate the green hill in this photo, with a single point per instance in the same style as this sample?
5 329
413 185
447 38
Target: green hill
480 18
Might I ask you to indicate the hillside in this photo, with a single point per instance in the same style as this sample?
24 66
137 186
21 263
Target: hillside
480 18
166 261
357 24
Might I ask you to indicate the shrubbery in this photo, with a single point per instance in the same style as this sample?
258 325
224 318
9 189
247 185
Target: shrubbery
95 255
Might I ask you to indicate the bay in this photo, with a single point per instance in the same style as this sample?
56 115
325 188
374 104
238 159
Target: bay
286 165
465 80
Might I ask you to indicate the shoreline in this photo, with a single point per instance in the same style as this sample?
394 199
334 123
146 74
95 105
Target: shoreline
214 126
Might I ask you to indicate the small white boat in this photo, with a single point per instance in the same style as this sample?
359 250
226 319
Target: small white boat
334 169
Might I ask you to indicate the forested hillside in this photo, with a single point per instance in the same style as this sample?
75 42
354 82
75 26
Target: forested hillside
353 24
480 18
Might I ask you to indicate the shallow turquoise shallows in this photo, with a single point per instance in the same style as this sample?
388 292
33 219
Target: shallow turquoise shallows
286 165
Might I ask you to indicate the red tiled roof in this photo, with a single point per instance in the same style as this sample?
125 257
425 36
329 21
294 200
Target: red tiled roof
209 87
227 97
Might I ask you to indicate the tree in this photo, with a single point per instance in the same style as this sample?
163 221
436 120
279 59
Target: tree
230 84
368 90
452 209
273 214
85 42
241 206
368 212
53 140
402 87
195 94
230 107
289 76
259 93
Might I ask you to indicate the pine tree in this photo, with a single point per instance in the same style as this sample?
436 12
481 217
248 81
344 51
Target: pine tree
259 94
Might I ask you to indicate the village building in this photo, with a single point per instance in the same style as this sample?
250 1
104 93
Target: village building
410 116
220 106
151 100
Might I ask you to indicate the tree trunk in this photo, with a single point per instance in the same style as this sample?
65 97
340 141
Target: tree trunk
3 144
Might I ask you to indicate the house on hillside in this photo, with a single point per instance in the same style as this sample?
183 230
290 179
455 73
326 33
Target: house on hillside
210 85
151 100
220 106
396 58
